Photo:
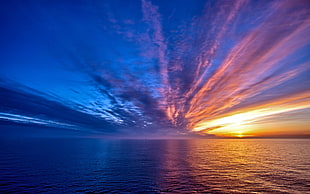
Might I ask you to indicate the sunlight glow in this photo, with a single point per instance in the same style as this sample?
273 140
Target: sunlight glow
243 123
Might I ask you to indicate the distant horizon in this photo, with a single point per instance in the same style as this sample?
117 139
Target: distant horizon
38 134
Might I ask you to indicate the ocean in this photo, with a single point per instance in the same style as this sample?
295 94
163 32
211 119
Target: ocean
46 165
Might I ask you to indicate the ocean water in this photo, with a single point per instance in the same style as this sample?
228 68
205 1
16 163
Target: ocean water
155 166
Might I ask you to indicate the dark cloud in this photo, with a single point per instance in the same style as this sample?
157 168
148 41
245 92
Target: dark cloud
24 103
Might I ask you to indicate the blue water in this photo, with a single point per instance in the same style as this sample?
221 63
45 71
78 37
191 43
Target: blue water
155 166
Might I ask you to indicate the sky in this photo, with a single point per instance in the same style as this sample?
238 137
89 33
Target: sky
155 68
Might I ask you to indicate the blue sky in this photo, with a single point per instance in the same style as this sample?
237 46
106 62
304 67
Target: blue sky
154 68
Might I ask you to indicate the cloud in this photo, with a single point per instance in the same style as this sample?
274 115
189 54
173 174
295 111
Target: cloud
20 106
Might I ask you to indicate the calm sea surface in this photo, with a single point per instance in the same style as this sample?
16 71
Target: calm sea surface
155 166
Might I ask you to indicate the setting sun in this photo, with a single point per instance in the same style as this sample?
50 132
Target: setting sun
244 122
